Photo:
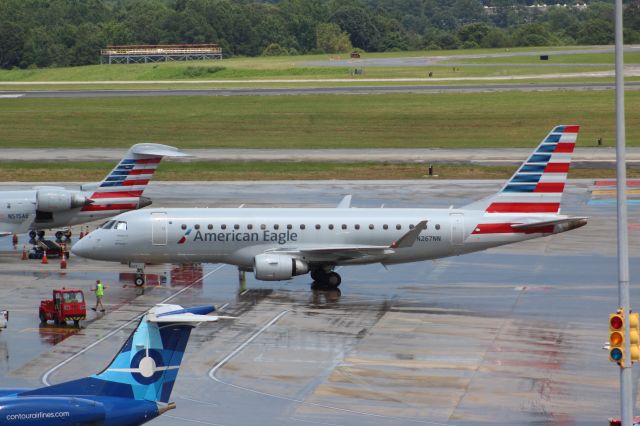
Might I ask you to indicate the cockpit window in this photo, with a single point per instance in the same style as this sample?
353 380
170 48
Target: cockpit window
108 225
121 226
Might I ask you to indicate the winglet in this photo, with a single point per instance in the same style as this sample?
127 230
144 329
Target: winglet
345 203
409 238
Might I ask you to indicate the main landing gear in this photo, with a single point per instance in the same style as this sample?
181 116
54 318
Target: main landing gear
325 279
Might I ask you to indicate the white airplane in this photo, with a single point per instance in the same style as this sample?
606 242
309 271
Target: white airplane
46 207
279 243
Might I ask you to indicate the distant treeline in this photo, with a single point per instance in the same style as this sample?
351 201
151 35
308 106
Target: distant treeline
42 33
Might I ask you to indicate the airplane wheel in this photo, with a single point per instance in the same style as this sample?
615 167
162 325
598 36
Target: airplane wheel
333 280
139 280
32 235
40 234
59 236
317 274
76 323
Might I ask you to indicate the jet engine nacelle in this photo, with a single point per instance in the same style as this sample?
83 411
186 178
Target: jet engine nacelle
276 267
58 200
51 411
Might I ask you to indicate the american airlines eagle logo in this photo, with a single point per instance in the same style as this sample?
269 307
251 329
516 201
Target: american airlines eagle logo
184 237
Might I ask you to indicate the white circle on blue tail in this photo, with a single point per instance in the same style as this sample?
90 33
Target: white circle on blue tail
147 367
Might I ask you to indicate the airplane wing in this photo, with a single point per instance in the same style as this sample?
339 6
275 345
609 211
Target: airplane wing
569 222
351 252
345 203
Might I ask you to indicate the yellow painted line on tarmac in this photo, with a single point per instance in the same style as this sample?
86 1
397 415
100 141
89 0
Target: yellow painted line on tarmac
613 192
50 330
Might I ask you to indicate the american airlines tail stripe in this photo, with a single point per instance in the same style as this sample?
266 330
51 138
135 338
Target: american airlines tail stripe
148 160
135 182
523 208
142 171
505 228
116 194
565 147
557 168
108 207
549 187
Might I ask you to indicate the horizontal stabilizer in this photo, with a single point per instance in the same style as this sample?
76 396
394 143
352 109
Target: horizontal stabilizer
157 150
409 238
178 314
568 223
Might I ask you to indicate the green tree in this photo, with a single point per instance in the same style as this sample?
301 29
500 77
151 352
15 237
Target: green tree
357 22
330 39
11 44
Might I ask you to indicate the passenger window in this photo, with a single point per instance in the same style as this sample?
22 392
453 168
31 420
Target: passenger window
398 227
330 226
318 226
289 226
344 226
263 226
357 226
303 226
437 227
236 226
411 226
371 226
210 226
223 226
276 226
183 226
385 226
197 226
249 226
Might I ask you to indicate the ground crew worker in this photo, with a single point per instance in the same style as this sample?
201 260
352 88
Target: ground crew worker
99 289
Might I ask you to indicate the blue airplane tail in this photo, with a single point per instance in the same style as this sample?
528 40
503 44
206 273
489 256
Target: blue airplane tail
146 367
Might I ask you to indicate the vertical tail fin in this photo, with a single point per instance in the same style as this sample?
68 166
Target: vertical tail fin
538 184
122 188
149 360
146 366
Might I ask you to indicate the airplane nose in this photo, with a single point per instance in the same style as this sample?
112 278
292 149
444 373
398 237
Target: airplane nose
81 248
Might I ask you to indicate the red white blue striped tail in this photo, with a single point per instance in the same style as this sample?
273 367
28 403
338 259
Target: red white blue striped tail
122 188
538 184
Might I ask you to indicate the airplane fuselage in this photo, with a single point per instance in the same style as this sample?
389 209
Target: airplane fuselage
237 236
19 211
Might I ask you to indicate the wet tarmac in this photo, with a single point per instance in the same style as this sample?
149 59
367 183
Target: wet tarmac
509 336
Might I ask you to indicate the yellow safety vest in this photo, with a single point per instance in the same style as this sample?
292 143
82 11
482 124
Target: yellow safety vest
99 290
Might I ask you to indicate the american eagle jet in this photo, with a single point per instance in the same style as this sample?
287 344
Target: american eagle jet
279 243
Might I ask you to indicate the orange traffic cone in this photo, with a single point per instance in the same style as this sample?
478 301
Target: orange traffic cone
15 239
45 259
63 262
24 253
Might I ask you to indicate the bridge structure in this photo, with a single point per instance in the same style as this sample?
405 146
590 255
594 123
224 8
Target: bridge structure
136 54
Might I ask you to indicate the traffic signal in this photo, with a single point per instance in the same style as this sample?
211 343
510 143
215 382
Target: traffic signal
616 337
634 336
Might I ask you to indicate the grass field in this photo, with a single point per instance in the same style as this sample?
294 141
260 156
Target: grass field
229 171
296 67
465 120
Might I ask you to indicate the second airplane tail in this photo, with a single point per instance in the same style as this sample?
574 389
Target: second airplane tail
122 188
538 184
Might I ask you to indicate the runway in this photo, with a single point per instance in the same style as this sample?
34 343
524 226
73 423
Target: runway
508 336
585 156
342 90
